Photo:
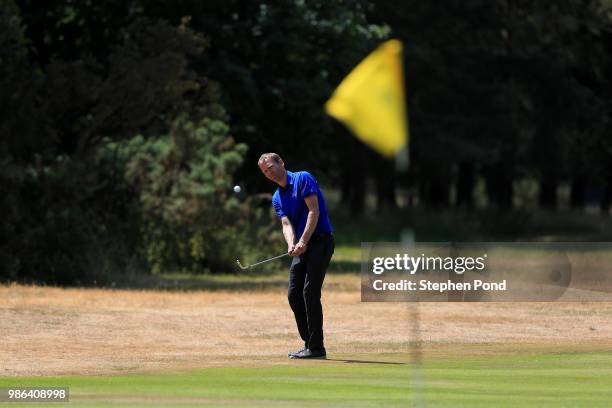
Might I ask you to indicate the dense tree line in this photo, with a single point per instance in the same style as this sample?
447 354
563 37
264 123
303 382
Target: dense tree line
504 90
125 123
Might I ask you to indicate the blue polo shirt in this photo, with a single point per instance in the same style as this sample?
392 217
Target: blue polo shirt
289 202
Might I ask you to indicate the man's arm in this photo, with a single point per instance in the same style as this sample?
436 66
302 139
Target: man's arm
312 202
288 234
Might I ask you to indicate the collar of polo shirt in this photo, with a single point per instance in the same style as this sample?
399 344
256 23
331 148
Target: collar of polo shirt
289 180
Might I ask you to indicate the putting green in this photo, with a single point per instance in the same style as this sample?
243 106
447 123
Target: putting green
540 380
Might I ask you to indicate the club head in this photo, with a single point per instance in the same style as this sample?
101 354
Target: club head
240 265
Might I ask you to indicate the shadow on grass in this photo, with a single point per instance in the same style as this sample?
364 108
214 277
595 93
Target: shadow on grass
188 283
477 225
363 361
219 282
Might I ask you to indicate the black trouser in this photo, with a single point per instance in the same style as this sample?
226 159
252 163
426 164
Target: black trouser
305 281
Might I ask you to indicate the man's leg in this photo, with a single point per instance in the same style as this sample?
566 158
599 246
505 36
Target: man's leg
317 261
297 274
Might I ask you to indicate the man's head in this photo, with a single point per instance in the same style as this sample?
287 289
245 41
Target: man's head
273 167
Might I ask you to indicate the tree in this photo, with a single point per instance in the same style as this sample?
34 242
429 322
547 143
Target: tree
504 88
278 63
73 215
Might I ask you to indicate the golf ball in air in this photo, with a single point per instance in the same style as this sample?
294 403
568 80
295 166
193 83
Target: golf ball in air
236 189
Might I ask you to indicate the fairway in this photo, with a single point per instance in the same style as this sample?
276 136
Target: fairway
227 347
529 380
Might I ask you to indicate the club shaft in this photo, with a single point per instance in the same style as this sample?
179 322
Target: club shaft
267 260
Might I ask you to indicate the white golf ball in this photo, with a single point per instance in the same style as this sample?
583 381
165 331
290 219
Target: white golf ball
237 189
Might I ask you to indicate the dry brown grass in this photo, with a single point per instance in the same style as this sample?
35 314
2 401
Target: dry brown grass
53 331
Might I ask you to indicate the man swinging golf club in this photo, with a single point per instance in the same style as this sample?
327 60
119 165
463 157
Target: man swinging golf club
300 205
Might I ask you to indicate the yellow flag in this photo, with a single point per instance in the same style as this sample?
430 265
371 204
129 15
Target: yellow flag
370 100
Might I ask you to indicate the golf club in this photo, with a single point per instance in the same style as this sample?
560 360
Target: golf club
259 263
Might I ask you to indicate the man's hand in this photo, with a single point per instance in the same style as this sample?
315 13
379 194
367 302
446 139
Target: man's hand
299 248
290 249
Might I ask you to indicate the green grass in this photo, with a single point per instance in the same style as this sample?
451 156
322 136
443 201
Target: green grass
546 380
346 259
252 280
460 225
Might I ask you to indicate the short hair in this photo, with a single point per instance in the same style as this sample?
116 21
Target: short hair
269 156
